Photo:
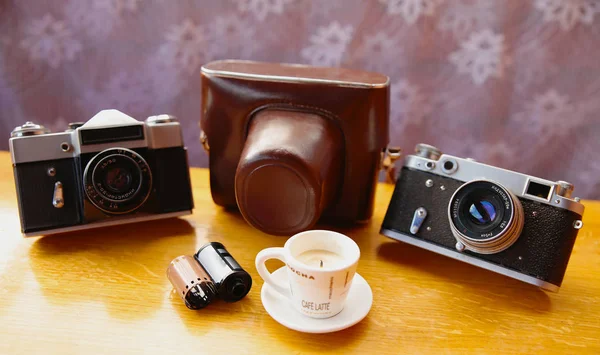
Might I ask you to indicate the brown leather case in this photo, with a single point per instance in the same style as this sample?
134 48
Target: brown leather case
291 144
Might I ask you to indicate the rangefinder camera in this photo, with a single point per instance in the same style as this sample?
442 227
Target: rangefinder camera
111 170
517 225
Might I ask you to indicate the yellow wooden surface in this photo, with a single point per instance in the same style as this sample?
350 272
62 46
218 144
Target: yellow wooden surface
105 291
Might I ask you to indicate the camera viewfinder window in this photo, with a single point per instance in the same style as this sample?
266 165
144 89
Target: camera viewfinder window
538 190
113 134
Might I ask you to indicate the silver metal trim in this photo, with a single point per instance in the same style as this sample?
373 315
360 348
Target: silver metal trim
495 244
48 146
29 129
541 182
418 218
39 148
454 166
427 151
160 119
57 198
512 180
469 260
73 125
564 188
109 222
290 79
164 135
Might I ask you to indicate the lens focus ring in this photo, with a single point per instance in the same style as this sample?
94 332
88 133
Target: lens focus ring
117 180
485 217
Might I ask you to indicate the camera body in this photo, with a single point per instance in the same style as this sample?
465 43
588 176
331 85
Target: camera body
510 223
111 170
291 144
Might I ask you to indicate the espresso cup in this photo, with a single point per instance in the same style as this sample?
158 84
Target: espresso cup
320 267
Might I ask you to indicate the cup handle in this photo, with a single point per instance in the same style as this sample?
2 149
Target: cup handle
261 258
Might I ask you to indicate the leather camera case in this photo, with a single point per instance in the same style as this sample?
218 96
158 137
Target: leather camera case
292 144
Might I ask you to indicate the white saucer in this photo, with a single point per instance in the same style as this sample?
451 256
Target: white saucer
358 304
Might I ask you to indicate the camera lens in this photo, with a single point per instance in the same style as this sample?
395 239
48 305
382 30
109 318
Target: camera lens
483 211
485 217
117 180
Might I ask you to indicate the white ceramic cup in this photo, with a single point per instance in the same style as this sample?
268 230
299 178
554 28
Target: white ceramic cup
315 289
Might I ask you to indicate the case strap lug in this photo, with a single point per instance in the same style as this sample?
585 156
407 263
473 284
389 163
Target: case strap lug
204 141
388 163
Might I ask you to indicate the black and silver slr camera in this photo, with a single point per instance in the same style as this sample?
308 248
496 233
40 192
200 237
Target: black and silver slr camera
514 224
111 170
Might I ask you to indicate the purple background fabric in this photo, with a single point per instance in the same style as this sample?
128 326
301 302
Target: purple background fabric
511 83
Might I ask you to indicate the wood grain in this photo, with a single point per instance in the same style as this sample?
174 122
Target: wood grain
105 291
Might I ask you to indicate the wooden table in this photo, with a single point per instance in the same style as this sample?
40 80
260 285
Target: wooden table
105 291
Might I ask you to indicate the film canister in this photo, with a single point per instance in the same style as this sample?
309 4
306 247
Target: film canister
191 282
230 279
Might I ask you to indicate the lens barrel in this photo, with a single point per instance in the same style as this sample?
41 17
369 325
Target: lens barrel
117 180
485 217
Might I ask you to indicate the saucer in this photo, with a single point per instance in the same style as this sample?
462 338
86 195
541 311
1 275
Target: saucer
358 304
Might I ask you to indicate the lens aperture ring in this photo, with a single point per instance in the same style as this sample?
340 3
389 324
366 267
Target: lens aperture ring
499 235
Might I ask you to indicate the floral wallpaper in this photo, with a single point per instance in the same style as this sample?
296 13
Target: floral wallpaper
513 83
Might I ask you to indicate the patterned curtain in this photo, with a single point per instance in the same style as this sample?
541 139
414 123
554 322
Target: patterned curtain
513 83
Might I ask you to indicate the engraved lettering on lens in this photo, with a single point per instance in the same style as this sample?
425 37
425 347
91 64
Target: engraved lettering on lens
485 217
455 208
117 181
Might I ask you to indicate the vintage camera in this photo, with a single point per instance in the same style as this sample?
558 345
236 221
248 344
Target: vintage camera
291 144
111 170
510 223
